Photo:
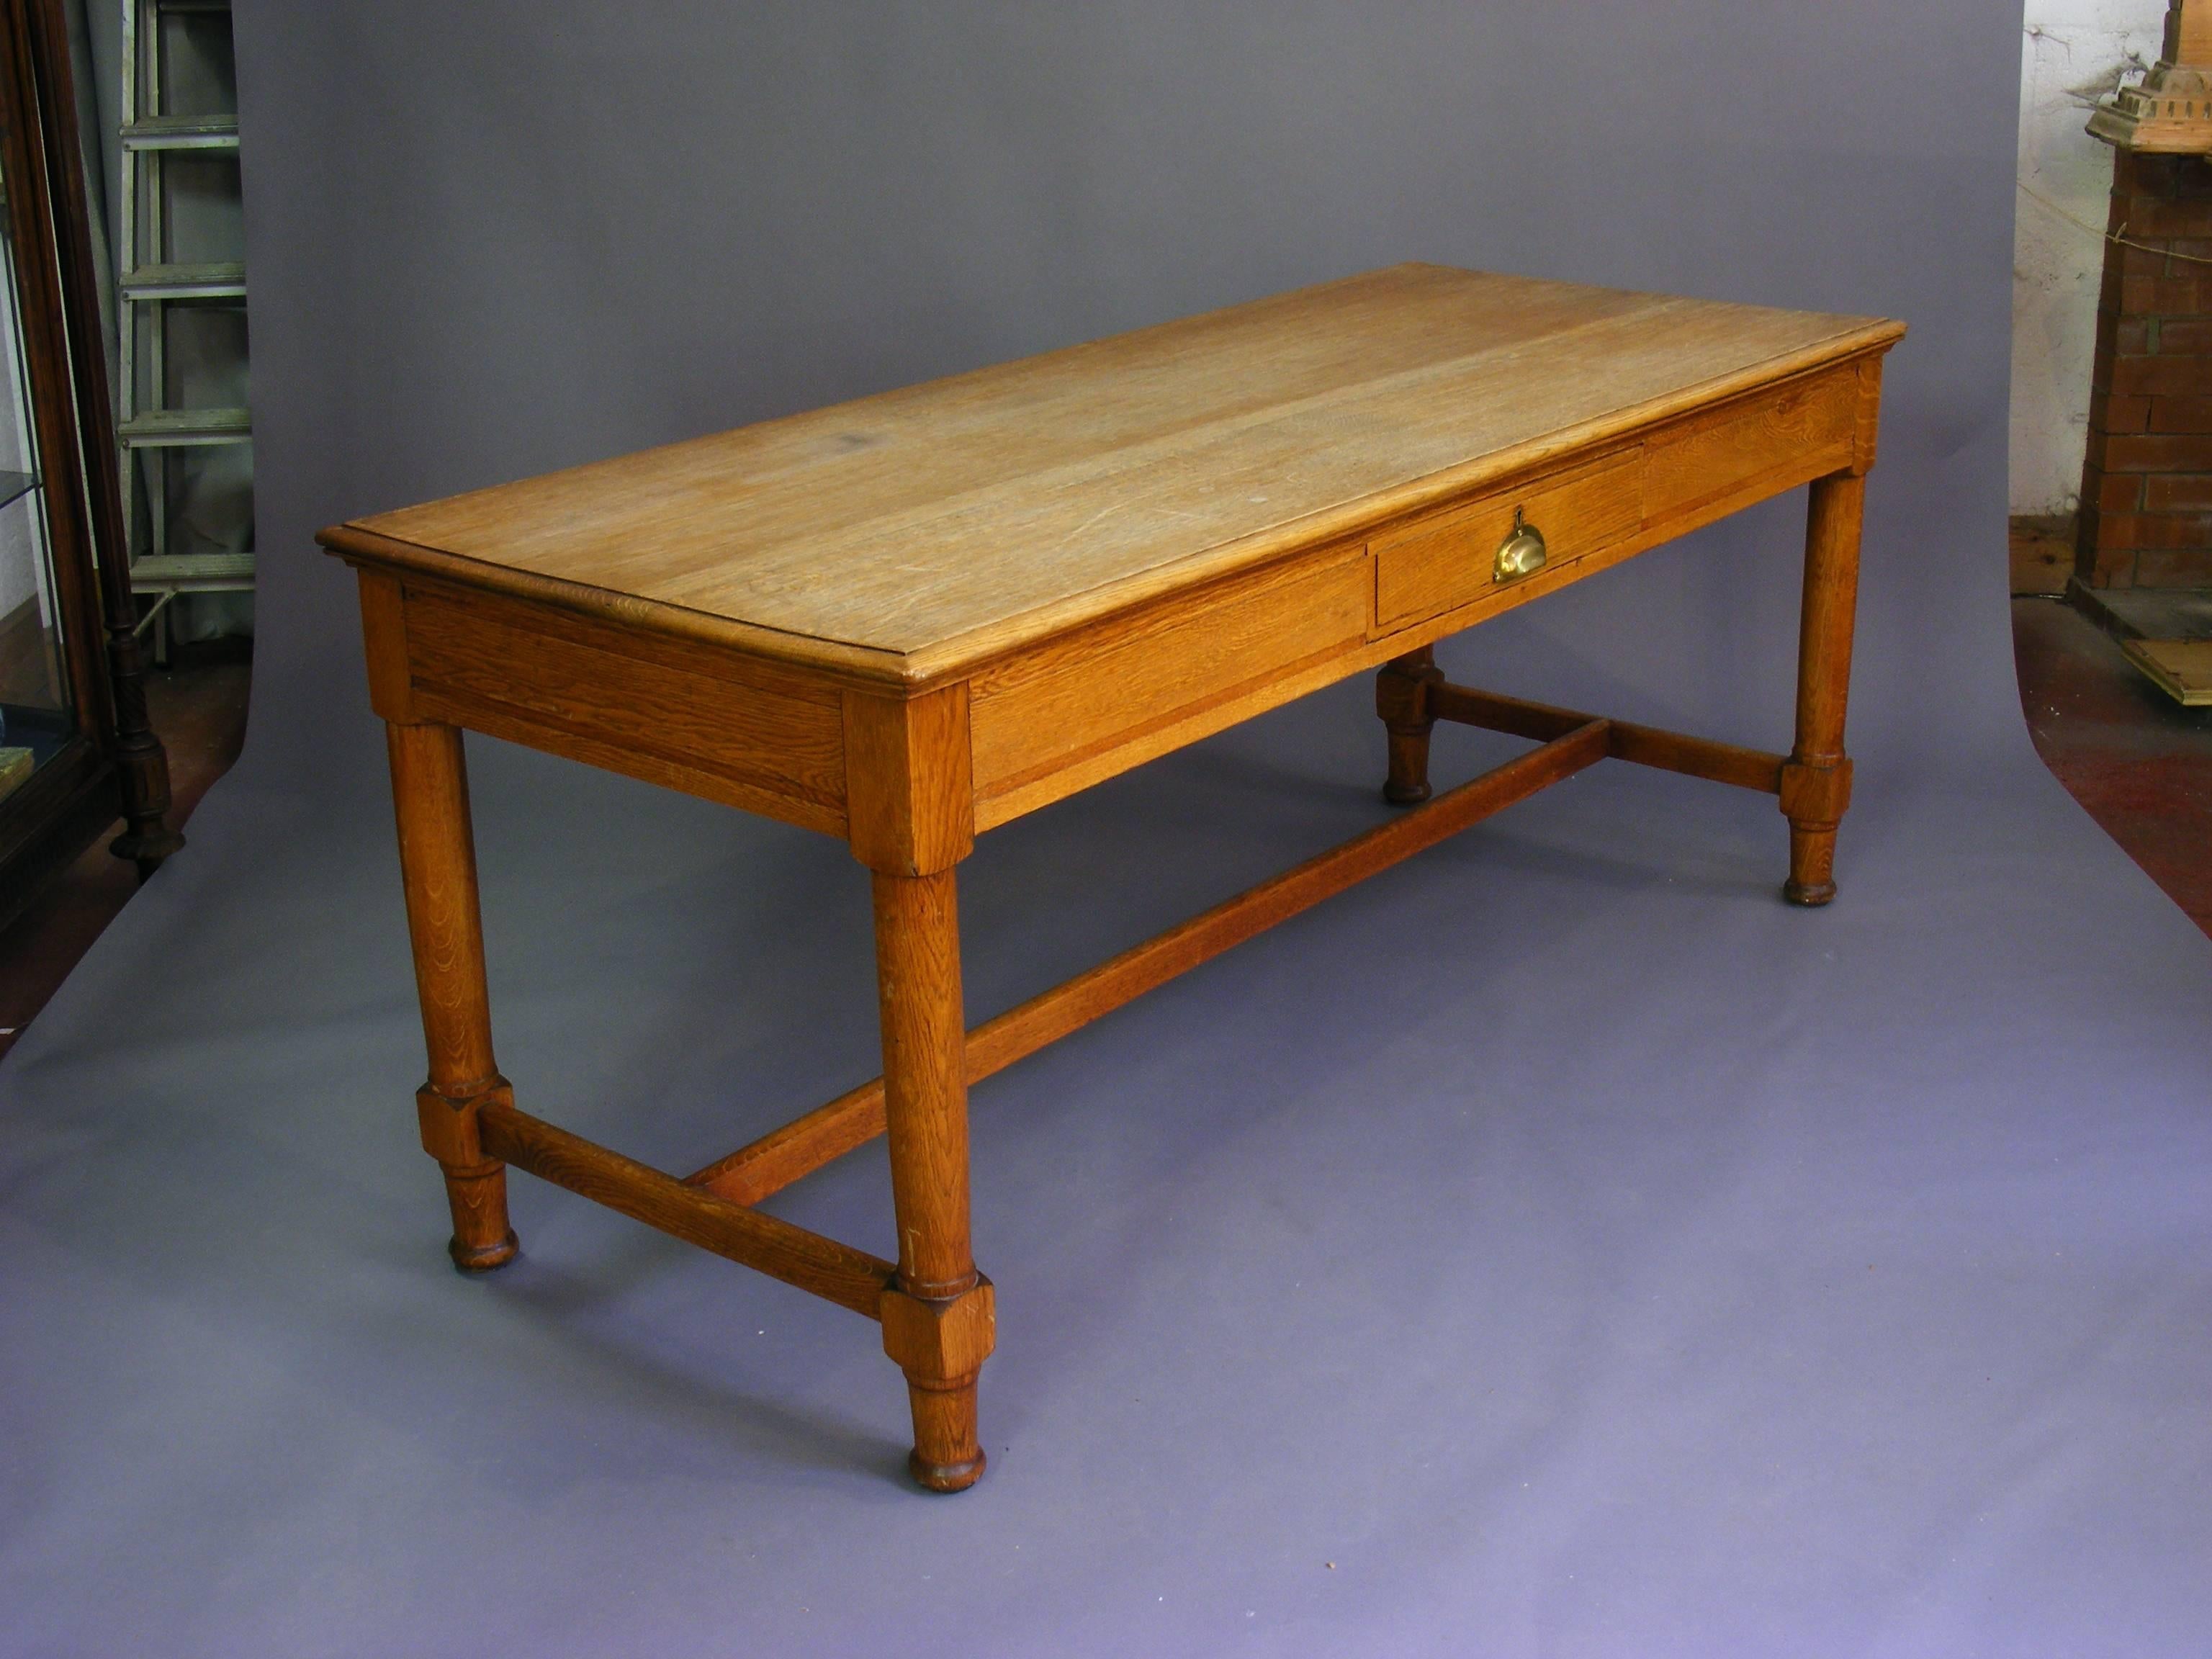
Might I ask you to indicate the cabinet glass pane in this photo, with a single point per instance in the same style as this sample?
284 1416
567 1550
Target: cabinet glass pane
35 717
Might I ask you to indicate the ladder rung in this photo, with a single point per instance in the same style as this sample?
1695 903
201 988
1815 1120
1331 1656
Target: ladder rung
156 571
13 486
217 281
159 427
182 132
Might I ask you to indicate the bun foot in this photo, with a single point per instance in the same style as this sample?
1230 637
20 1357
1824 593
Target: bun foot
945 1477
946 1457
483 1258
1813 860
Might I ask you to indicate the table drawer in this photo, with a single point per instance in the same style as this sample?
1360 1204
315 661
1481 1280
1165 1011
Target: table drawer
1438 564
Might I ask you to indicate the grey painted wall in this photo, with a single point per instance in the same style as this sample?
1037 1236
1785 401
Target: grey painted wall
492 240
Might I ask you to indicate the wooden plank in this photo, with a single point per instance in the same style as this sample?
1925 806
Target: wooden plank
595 608
823 1267
947 524
1646 745
2042 554
1109 686
710 659
1184 729
762 1168
495 722
774 1161
2180 668
722 733
1704 467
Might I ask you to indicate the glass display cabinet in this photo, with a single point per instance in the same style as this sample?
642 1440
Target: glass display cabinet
76 751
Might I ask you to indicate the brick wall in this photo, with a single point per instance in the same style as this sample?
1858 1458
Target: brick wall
2147 487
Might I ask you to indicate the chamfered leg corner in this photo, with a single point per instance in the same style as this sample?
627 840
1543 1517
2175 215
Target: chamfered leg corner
940 1342
1814 799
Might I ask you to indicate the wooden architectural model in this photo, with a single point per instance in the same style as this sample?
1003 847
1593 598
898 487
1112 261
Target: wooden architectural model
2170 111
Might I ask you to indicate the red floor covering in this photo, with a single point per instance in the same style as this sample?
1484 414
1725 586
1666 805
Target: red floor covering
2138 762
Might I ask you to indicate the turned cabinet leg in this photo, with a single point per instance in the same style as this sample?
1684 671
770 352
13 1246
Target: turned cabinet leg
438 864
937 1322
142 763
1401 699
1816 783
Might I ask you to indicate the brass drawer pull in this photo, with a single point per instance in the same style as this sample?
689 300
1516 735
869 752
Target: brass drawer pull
1520 554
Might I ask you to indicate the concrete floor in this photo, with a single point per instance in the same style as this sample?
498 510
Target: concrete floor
2140 764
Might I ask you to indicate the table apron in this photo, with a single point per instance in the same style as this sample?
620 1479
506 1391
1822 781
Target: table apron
774 738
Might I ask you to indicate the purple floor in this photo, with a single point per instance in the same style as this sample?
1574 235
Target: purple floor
1557 1240
1555 1246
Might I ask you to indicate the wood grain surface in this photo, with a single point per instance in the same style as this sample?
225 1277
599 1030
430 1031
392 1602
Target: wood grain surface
437 871
938 527
836 1272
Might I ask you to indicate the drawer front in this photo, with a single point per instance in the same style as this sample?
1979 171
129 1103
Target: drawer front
1440 563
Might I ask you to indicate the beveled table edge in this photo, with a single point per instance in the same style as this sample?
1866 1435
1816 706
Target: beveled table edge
963 655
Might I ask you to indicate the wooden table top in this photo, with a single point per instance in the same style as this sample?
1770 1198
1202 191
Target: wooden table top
959 520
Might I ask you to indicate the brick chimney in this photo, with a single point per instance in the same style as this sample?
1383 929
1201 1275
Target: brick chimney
2147 482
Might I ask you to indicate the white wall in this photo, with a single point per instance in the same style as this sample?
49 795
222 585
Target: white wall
2072 53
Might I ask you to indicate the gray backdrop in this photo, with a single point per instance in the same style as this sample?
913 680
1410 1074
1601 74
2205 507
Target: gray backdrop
1558 1245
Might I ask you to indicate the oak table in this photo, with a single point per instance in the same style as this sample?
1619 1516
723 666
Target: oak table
912 618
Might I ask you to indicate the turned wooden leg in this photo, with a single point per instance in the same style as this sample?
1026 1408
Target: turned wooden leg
438 863
142 763
938 1323
910 818
1816 783
1401 699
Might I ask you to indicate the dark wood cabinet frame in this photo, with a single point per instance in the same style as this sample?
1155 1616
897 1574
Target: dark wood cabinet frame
112 765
